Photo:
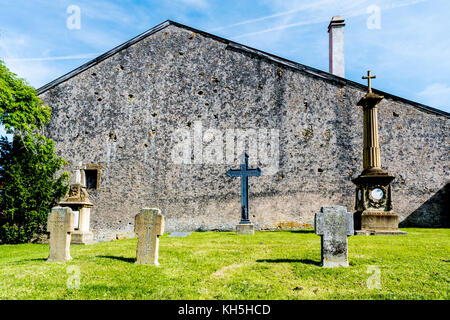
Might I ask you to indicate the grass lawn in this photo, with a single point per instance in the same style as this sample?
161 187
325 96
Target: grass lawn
221 265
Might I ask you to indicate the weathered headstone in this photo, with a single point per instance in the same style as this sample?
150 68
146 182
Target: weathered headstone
244 226
334 224
148 225
60 224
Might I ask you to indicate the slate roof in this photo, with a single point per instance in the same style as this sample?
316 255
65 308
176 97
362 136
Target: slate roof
240 48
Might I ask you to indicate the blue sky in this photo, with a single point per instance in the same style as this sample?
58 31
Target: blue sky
409 50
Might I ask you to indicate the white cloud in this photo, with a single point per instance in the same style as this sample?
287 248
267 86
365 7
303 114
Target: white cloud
318 12
107 11
195 3
276 15
74 57
98 39
35 73
437 95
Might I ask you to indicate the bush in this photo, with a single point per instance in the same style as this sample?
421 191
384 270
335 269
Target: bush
28 164
29 187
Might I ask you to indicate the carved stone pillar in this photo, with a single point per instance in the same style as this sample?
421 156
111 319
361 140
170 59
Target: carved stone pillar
78 200
373 206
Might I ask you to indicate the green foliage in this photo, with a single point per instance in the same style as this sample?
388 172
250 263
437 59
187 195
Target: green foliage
21 110
28 165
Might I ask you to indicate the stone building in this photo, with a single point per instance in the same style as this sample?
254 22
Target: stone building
158 120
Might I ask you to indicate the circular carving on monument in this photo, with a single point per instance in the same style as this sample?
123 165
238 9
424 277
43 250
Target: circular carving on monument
377 196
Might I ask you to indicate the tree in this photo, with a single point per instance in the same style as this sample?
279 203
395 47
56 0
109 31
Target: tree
28 163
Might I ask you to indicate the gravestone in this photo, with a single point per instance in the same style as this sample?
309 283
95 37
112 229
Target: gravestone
334 224
148 225
244 226
60 224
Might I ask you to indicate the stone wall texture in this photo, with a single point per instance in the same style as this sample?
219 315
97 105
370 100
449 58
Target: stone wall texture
123 113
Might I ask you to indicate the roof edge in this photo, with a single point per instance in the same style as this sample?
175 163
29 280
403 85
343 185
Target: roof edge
240 47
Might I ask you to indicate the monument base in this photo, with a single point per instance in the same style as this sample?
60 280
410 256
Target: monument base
151 263
82 237
58 260
371 222
247 228
330 263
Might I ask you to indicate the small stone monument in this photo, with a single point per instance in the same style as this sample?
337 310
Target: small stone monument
148 225
244 226
77 199
334 224
60 224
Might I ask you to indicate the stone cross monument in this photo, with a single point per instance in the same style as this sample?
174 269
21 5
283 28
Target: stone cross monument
77 199
60 225
244 227
148 225
334 224
373 190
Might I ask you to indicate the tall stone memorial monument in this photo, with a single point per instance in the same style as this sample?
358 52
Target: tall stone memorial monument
373 206
334 224
60 224
148 225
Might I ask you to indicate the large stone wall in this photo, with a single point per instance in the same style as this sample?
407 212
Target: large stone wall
123 111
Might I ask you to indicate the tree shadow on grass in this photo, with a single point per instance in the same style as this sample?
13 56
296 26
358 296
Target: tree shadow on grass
129 260
305 261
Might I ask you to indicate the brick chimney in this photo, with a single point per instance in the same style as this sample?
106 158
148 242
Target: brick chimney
336 49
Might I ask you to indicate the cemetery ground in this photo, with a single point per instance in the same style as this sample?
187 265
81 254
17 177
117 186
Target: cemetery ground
273 265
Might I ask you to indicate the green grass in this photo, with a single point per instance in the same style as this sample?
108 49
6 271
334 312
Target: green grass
221 265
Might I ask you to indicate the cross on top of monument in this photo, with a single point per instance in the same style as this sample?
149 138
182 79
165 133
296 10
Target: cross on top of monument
369 77
77 170
244 172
